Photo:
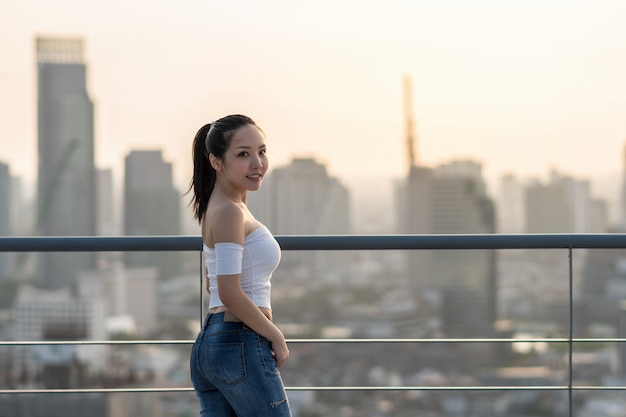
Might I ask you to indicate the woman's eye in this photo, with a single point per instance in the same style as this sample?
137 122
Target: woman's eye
263 152
243 154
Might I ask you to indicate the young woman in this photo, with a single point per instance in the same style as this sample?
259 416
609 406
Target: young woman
235 358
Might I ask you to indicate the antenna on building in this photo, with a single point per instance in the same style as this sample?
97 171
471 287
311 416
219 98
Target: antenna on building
410 137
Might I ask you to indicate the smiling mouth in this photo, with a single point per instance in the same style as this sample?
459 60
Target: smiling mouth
255 176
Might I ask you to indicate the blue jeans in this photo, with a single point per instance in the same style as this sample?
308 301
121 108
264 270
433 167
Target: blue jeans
233 372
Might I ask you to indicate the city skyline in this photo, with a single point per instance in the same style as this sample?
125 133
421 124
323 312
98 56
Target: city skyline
520 88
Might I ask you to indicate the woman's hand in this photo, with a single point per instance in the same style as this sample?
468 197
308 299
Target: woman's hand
280 350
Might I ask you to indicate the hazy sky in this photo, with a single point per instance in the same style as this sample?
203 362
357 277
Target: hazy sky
520 85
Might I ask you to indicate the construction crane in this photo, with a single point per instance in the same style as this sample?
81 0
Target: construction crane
410 137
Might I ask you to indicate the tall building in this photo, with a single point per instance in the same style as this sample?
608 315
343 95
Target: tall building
510 205
152 206
563 205
467 278
452 199
106 225
6 267
66 179
301 198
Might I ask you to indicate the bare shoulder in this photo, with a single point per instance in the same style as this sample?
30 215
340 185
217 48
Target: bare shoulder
227 223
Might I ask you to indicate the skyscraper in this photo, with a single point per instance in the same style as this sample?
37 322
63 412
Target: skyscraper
301 198
510 205
563 205
467 278
452 199
151 207
106 225
306 200
66 179
5 220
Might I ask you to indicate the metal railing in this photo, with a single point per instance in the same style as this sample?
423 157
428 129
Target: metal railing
568 242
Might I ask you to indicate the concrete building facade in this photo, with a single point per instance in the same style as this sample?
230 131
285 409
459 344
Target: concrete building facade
66 178
152 206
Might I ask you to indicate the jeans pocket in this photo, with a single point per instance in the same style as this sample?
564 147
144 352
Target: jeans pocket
226 362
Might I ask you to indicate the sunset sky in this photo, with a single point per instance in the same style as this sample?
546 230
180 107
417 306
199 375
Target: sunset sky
522 86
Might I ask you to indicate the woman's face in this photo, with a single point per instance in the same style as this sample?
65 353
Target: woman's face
245 162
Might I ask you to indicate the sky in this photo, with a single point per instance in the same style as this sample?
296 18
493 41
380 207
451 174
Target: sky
520 86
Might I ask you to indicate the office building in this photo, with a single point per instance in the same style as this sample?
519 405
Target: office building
107 224
510 202
452 199
152 206
6 258
66 197
563 204
301 198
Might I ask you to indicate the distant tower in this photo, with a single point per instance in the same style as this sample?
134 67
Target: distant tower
151 207
66 179
301 198
410 137
562 205
5 218
467 278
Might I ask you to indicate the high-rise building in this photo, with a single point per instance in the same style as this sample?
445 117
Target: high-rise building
563 205
66 179
106 225
301 198
305 199
510 205
6 267
152 206
452 199
467 278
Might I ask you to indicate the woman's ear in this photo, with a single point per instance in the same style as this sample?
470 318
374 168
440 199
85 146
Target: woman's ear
215 162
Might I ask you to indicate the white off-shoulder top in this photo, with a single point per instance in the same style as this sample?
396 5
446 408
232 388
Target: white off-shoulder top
260 257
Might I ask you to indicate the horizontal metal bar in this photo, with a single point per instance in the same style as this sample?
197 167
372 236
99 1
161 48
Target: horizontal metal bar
436 388
466 241
438 340
323 388
328 242
100 243
92 390
297 341
93 342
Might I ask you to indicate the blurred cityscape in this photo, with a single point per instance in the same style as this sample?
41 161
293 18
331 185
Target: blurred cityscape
318 294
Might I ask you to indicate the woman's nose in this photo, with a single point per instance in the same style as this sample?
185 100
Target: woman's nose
256 161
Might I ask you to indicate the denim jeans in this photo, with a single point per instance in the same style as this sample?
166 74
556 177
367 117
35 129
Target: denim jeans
233 372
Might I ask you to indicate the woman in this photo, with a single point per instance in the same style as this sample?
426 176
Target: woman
236 356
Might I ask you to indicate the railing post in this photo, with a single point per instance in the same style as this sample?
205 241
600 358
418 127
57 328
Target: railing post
571 333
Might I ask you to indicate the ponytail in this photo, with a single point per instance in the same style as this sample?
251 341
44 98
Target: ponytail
212 138
204 174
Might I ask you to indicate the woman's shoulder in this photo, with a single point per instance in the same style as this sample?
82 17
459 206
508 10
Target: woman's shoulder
226 221
226 210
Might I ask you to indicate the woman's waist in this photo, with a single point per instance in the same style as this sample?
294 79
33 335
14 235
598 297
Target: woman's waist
230 317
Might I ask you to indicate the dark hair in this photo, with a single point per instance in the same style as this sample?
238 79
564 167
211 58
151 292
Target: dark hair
212 138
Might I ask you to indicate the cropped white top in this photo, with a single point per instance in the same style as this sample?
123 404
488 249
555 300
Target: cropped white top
260 257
